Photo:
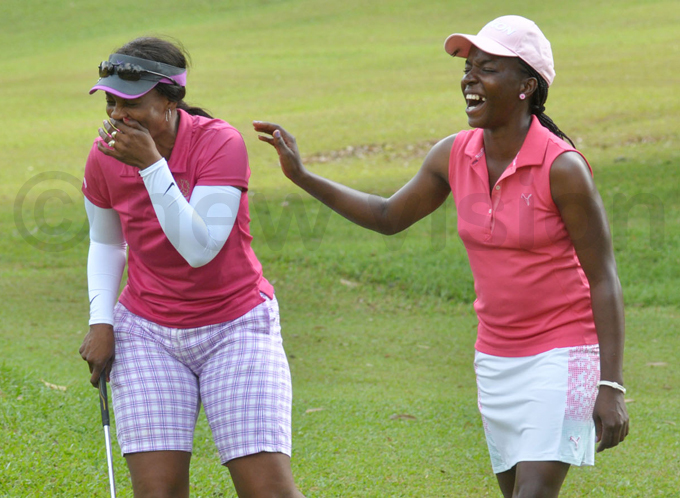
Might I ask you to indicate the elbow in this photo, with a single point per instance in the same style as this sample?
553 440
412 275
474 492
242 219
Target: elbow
608 288
197 261
199 255
385 223
389 230
606 278
389 226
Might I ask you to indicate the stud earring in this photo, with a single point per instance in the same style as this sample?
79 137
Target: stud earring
522 96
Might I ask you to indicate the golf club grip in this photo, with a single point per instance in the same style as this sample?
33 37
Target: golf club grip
103 399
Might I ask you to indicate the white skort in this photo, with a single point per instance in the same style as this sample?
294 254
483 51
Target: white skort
539 408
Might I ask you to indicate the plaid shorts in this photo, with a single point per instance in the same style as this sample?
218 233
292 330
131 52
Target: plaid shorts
237 369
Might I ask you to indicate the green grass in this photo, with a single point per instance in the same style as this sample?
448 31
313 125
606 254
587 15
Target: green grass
375 328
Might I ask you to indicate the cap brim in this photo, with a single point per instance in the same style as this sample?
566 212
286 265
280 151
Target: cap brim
458 45
122 88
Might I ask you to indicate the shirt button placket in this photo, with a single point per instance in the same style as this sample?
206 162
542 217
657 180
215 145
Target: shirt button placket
495 199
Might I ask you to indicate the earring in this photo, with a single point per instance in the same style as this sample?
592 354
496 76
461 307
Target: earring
522 96
168 115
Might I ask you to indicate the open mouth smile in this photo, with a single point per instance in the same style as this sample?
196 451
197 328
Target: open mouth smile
474 101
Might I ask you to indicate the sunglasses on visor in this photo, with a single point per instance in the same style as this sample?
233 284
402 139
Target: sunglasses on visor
128 72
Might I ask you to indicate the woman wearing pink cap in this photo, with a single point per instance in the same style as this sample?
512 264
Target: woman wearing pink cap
549 350
197 323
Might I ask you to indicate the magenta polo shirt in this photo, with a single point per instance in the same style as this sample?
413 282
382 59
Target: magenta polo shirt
161 285
532 294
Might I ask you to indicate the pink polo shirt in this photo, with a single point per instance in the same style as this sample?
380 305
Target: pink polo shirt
161 285
532 294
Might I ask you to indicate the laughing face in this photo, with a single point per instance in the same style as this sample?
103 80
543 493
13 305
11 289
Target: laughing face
148 110
491 86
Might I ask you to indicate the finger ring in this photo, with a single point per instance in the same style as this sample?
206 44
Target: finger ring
113 134
112 143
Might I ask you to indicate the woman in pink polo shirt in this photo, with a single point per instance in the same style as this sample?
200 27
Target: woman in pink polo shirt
549 350
197 323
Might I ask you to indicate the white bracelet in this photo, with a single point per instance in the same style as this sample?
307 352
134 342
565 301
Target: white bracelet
615 385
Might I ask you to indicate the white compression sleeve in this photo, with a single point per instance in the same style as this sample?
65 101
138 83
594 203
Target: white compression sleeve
105 262
199 228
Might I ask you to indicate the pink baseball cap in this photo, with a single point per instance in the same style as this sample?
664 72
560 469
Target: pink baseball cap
509 36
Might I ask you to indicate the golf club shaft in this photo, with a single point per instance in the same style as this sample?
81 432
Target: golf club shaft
109 461
104 406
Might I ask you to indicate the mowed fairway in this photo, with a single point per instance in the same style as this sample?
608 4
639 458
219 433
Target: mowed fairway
379 332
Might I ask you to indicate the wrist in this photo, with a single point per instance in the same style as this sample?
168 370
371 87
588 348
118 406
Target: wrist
612 385
148 170
150 162
97 327
303 179
296 175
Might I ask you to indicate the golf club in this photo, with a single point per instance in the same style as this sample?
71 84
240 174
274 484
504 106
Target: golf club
104 405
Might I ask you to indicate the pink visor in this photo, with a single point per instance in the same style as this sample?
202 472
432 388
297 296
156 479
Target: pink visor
131 77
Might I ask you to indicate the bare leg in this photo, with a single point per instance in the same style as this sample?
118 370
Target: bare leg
263 475
159 474
506 481
533 480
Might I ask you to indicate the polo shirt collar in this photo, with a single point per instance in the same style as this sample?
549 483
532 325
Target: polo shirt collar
535 145
178 159
475 145
533 149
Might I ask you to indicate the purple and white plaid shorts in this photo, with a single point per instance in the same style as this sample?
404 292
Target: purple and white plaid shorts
237 369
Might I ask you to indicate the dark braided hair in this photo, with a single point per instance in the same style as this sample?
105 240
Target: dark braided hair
155 49
537 102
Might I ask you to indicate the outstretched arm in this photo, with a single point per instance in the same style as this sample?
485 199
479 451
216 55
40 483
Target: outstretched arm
582 210
424 193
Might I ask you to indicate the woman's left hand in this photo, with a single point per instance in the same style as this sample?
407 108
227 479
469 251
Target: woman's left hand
129 142
611 418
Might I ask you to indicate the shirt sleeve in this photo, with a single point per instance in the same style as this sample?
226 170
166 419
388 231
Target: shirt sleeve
224 160
94 185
